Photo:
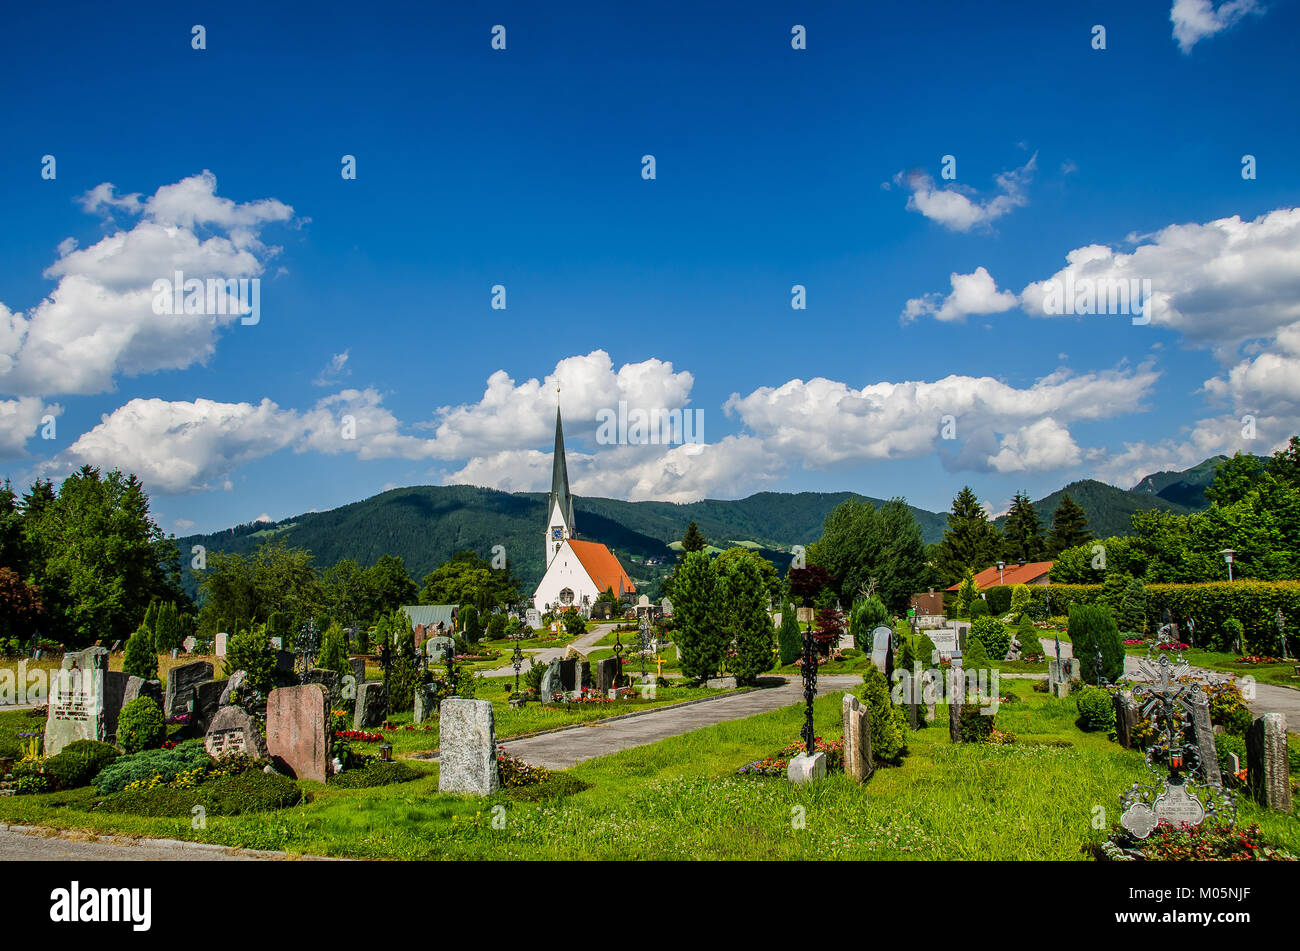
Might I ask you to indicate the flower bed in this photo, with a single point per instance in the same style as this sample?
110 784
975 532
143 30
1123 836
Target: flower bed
1193 844
1257 659
361 736
778 763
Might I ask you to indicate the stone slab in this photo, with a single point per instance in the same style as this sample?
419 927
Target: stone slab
234 731
76 700
298 733
1267 772
806 769
467 757
181 680
372 706
858 764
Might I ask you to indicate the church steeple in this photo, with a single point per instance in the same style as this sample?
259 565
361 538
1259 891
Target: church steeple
559 507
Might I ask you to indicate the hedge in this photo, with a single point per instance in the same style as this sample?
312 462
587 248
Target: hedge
1212 604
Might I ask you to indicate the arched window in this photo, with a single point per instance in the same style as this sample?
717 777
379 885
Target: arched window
566 596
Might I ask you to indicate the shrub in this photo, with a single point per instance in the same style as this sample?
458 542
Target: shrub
78 763
865 617
990 632
1096 710
166 765
533 675
972 725
470 625
789 640
375 772
515 772
888 721
496 626
1020 598
1027 634
999 599
250 650
979 608
334 650
1092 628
225 795
1234 634
140 658
140 726
976 656
925 650
967 593
1228 708
557 786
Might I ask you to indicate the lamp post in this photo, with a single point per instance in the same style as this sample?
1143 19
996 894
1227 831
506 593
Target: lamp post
1001 565
1228 554
809 671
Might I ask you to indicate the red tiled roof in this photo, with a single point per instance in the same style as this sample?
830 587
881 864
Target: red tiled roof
602 567
1011 574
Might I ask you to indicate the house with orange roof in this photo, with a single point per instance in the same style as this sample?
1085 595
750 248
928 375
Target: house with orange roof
1034 573
577 571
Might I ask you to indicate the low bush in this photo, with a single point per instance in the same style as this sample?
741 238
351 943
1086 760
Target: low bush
979 608
140 726
556 786
78 763
888 721
375 772
165 765
993 635
226 795
999 599
1096 710
515 772
1027 634
974 726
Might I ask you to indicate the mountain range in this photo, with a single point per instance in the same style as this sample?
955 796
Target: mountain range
426 524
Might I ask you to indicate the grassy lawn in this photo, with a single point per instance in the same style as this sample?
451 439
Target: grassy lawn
680 799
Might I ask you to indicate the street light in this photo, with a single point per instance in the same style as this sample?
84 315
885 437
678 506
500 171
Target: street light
1227 554
1001 565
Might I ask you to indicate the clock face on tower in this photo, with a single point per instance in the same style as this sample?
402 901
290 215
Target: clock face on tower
557 533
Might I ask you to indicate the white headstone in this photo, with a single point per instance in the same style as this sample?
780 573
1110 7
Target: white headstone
533 618
222 637
189 644
880 648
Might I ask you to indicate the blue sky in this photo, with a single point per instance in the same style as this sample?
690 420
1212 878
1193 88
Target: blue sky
523 167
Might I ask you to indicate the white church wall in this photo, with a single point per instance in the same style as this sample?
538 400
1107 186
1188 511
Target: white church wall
565 571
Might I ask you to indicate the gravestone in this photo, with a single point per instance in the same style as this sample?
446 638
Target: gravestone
533 618
426 703
137 687
189 644
569 674
437 647
234 731
945 642
551 680
882 654
284 662
328 679
277 642
222 638
930 689
582 674
1203 730
957 694
467 758
607 670
358 665
1266 762
803 615
76 700
298 736
857 739
233 686
180 686
207 700
806 769
1126 718
114 699
1074 668
372 706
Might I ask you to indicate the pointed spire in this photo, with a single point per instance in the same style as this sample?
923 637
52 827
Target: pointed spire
560 477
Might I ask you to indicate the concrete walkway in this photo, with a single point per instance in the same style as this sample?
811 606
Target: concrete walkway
587 741
42 845
544 655
1268 697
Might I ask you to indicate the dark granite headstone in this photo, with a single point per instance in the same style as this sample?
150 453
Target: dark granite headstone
372 706
114 698
207 700
1267 771
569 674
1126 718
1203 730
181 680
607 670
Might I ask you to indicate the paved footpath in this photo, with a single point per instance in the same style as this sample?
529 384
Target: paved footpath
545 655
1268 697
570 747
43 847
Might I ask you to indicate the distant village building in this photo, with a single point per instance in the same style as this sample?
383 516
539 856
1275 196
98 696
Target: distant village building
431 620
577 572
1035 573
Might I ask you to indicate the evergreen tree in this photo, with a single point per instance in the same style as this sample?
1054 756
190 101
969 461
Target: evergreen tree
250 650
970 540
888 721
1023 533
334 650
699 643
1069 527
1092 627
470 626
967 594
167 628
693 540
865 617
790 639
742 607
140 659
925 650
151 617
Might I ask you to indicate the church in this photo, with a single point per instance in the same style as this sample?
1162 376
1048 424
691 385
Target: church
577 572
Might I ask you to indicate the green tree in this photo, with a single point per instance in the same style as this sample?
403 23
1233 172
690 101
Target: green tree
742 608
990 632
403 673
888 721
1091 628
334 650
866 616
967 593
249 649
140 659
151 616
167 628
470 625
467 579
575 625
970 541
1022 538
871 549
1020 600
699 642
790 638
693 540
771 579
1069 527
389 586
